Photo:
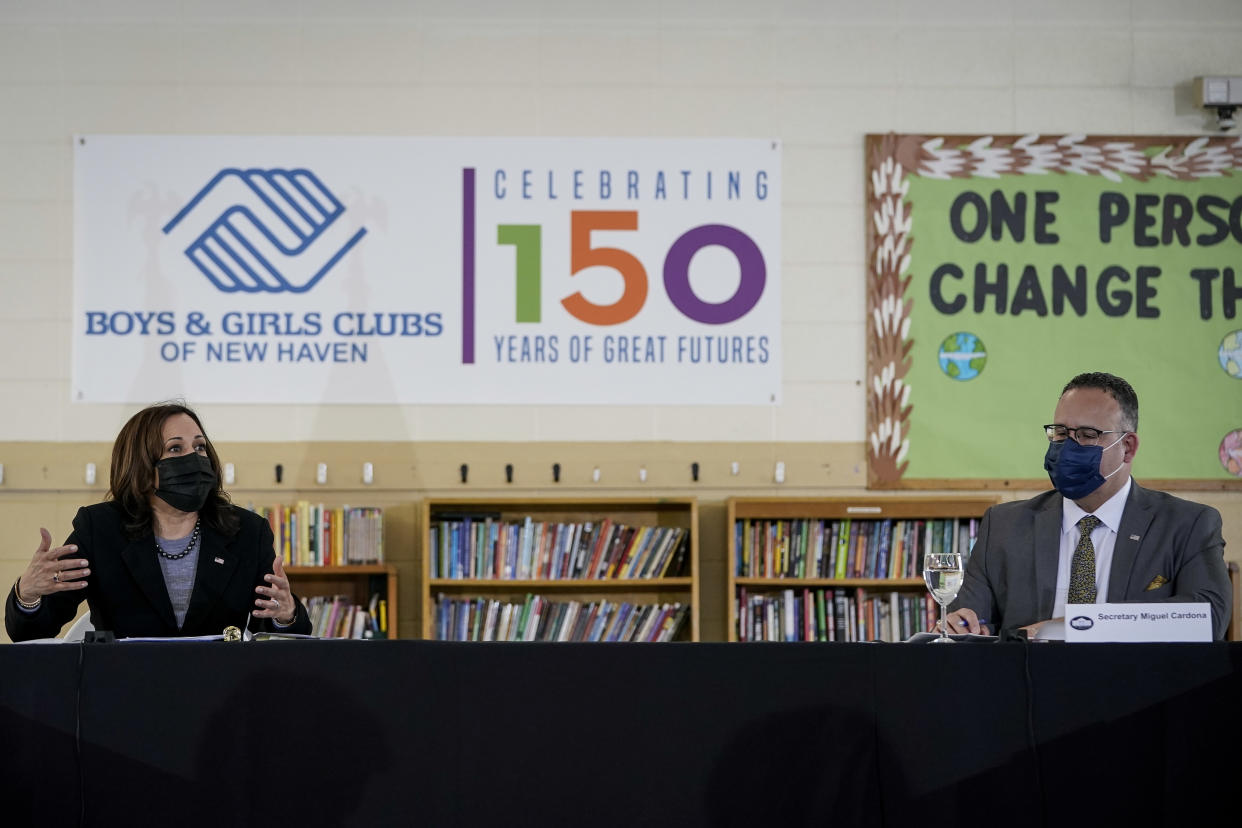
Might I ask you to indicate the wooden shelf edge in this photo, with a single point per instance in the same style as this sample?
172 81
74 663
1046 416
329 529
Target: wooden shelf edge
348 569
859 508
548 504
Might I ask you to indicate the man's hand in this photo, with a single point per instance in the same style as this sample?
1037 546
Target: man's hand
966 620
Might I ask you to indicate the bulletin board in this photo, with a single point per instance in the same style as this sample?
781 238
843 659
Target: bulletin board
1000 266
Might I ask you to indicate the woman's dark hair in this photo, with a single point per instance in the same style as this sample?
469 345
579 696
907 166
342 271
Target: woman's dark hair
137 449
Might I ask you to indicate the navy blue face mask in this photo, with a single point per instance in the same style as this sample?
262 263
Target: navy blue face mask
1074 469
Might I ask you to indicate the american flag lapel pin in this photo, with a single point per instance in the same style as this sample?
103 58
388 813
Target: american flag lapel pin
221 560
1132 537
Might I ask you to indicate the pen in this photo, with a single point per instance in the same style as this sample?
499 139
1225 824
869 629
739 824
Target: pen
962 623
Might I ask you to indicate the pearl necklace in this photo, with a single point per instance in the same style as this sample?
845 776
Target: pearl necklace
188 548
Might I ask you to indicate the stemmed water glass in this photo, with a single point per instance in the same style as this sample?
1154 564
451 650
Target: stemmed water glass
942 571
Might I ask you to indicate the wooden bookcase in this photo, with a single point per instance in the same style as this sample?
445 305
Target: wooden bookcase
310 533
357 582
861 509
634 512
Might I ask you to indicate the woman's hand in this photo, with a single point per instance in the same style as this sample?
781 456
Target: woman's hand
275 600
48 573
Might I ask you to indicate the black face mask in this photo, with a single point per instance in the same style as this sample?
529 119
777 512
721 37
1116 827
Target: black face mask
185 481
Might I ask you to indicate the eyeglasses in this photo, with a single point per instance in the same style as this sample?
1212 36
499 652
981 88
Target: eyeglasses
1083 435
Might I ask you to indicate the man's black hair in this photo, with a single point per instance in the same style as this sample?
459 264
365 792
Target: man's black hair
1117 388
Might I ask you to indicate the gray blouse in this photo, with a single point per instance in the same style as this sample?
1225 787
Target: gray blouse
179 574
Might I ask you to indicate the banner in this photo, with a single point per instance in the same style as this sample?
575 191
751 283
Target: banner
1001 266
426 270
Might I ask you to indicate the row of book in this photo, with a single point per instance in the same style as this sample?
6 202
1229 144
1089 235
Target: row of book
540 619
487 547
846 547
833 615
311 534
334 616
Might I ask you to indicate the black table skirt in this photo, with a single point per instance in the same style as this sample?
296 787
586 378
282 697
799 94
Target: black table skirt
441 734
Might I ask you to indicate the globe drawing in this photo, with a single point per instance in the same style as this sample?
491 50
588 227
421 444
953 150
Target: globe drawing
962 356
1231 354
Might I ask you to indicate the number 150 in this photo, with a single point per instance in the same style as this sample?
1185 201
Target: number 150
526 240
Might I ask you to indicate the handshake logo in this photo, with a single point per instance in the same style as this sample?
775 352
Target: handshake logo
272 231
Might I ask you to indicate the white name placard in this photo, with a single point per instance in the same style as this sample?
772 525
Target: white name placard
1138 622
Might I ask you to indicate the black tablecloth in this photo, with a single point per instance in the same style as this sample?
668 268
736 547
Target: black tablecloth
439 734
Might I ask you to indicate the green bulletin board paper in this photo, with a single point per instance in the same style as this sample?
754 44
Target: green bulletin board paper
1000 266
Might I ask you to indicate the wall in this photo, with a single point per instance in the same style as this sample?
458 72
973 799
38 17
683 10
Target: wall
817 75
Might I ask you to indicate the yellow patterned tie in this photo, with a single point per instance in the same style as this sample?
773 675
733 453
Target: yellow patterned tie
1082 568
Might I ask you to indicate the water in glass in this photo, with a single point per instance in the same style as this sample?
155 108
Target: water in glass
943 574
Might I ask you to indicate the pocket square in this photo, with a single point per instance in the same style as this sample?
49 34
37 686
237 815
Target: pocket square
1156 583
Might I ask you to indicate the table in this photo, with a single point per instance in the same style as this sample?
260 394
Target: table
445 734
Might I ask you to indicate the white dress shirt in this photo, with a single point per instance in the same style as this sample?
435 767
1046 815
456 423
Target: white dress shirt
1103 538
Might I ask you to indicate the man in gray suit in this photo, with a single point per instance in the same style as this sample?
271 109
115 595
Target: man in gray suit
1099 537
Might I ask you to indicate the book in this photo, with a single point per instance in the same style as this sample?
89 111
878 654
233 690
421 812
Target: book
822 617
677 622
807 615
489 623
602 619
741 531
742 611
604 542
651 616
896 563
620 544
585 540
656 557
634 550
619 621
462 632
880 570
632 624
843 547
677 560
787 616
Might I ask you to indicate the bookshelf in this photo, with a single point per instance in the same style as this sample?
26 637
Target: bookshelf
357 582
336 552
783 574
574 533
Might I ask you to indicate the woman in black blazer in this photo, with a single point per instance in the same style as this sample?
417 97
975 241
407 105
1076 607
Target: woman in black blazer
166 554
